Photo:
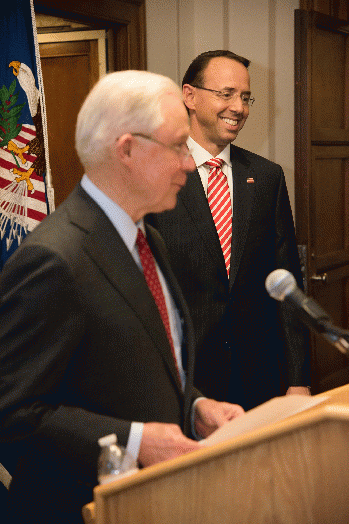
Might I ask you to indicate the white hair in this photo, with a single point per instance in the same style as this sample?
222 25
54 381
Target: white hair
120 102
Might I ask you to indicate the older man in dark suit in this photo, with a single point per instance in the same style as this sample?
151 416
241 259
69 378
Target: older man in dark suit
93 322
233 226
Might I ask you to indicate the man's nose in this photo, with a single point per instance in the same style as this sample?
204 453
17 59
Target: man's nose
236 105
189 164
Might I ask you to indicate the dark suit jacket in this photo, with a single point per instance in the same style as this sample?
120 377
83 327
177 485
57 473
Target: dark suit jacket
83 352
243 336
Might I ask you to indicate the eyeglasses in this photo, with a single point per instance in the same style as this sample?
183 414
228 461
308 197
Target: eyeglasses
228 94
181 150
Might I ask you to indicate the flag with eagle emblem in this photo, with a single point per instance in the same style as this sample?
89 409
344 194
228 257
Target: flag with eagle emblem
24 193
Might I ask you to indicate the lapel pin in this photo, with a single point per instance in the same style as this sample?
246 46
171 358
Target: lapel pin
250 180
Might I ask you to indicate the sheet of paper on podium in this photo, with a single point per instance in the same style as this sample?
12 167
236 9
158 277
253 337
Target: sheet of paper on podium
274 410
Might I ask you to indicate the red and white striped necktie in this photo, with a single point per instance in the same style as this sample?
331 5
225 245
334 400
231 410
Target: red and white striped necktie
218 196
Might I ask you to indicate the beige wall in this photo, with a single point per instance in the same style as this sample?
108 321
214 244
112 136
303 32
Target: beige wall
261 30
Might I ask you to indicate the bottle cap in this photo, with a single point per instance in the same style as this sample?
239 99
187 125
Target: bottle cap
108 440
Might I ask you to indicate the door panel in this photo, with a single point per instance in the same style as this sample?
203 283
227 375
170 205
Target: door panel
69 71
328 89
322 178
329 221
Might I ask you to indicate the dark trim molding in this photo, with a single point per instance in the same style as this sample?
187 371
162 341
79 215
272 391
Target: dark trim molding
126 20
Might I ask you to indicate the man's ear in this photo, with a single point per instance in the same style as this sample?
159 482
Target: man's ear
189 96
123 148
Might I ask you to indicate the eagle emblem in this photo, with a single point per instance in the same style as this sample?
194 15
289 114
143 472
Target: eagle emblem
22 158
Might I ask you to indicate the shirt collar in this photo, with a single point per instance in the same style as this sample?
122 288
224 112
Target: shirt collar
200 155
122 222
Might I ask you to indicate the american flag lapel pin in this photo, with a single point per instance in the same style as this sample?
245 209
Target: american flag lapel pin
250 180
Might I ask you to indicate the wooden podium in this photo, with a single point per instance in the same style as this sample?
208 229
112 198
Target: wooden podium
290 472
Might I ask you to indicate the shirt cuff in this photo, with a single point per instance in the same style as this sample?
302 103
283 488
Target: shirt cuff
134 439
192 419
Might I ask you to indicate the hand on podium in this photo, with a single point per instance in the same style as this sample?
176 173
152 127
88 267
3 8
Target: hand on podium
211 415
162 441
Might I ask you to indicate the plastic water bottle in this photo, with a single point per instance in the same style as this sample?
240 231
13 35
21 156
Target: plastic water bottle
114 461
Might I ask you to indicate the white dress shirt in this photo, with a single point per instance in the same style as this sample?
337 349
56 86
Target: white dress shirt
200 156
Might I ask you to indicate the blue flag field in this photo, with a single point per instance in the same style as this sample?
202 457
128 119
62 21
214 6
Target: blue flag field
23 192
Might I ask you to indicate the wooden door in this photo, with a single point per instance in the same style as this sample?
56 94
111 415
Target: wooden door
322 177
69 71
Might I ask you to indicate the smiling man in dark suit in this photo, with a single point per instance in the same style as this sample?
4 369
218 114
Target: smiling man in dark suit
231 227
93 322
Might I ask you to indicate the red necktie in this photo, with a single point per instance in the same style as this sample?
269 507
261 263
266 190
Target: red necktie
218 196
152 279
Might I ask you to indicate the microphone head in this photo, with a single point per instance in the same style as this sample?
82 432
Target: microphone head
280 283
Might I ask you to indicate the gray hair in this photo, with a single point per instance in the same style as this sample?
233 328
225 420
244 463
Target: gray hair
120 102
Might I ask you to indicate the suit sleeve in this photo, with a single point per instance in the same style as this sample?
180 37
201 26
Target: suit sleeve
296 334
42 325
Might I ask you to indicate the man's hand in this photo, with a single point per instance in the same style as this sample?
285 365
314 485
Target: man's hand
163 441
298 390
211 415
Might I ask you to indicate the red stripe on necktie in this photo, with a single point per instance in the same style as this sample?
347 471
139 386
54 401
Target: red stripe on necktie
152 279
218 196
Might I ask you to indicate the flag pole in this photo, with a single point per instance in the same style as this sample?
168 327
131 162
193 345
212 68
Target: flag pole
48 176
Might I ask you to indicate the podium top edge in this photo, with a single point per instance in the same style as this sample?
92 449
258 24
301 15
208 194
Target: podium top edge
322 413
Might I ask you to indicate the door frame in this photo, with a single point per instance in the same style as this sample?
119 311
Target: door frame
125 19
311 143
67 36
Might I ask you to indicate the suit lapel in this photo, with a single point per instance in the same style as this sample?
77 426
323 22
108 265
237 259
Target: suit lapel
244 183
105 247
176 293
188 353
195 201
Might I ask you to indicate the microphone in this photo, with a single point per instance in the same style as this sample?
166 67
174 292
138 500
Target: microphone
281 285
